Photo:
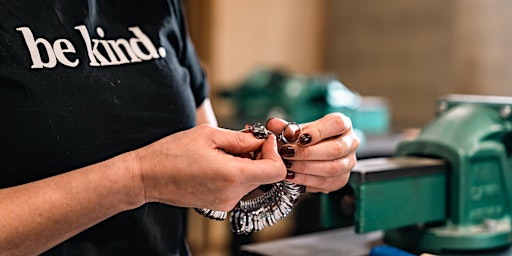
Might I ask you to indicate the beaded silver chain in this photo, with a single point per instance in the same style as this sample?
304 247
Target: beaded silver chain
254 214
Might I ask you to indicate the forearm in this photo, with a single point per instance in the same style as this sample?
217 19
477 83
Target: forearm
205 114
37 216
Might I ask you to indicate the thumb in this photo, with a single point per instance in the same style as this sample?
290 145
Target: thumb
236 142
269 150
270 168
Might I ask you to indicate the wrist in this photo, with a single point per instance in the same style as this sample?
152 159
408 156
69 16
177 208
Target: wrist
132 182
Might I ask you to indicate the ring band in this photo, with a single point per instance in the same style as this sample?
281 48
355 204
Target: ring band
283 138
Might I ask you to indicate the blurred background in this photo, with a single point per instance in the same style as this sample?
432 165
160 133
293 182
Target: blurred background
407 52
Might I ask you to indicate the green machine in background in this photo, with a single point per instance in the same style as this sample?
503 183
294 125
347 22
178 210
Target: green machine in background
449 189
302 98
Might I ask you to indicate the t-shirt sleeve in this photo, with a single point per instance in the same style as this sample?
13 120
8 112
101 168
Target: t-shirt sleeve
198 79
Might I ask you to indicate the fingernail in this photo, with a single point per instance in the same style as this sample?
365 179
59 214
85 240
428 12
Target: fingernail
287 151
290 174
288 163
305 139
266 124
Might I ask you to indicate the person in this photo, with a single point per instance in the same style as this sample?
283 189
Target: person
108 134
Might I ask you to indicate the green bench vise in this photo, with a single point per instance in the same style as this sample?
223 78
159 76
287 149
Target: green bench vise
449 189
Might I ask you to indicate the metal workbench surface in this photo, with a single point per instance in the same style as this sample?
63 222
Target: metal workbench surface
339 242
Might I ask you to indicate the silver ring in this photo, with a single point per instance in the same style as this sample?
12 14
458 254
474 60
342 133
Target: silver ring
254 214
283 138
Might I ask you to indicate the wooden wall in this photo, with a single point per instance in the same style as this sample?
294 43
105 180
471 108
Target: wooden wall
397 49
412 52
482 39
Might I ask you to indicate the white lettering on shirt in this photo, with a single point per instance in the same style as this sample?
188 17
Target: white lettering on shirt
100 51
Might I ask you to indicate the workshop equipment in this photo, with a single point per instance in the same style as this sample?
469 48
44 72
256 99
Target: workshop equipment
302 98
449 189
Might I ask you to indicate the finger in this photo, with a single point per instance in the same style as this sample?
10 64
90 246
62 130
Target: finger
269 169
331 168
269 149
275 125
321 184
335 148
287 132
329 126
235 142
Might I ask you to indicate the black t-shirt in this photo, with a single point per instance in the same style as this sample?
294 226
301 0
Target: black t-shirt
83 81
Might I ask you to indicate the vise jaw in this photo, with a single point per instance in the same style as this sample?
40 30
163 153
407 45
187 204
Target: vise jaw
449 189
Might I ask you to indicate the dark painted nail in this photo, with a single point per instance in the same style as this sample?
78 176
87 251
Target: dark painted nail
266 124
288 163
287 151
290 175
305 139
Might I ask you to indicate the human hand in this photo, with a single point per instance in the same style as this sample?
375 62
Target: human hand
324 155
199 167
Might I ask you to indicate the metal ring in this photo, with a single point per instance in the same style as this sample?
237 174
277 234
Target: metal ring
265 210
283 138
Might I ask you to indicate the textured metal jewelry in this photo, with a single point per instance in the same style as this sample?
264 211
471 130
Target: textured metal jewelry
260 132
254 214
212 214
292 139
266 210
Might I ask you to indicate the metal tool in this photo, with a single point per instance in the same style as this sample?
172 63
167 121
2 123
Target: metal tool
255 213
449 189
